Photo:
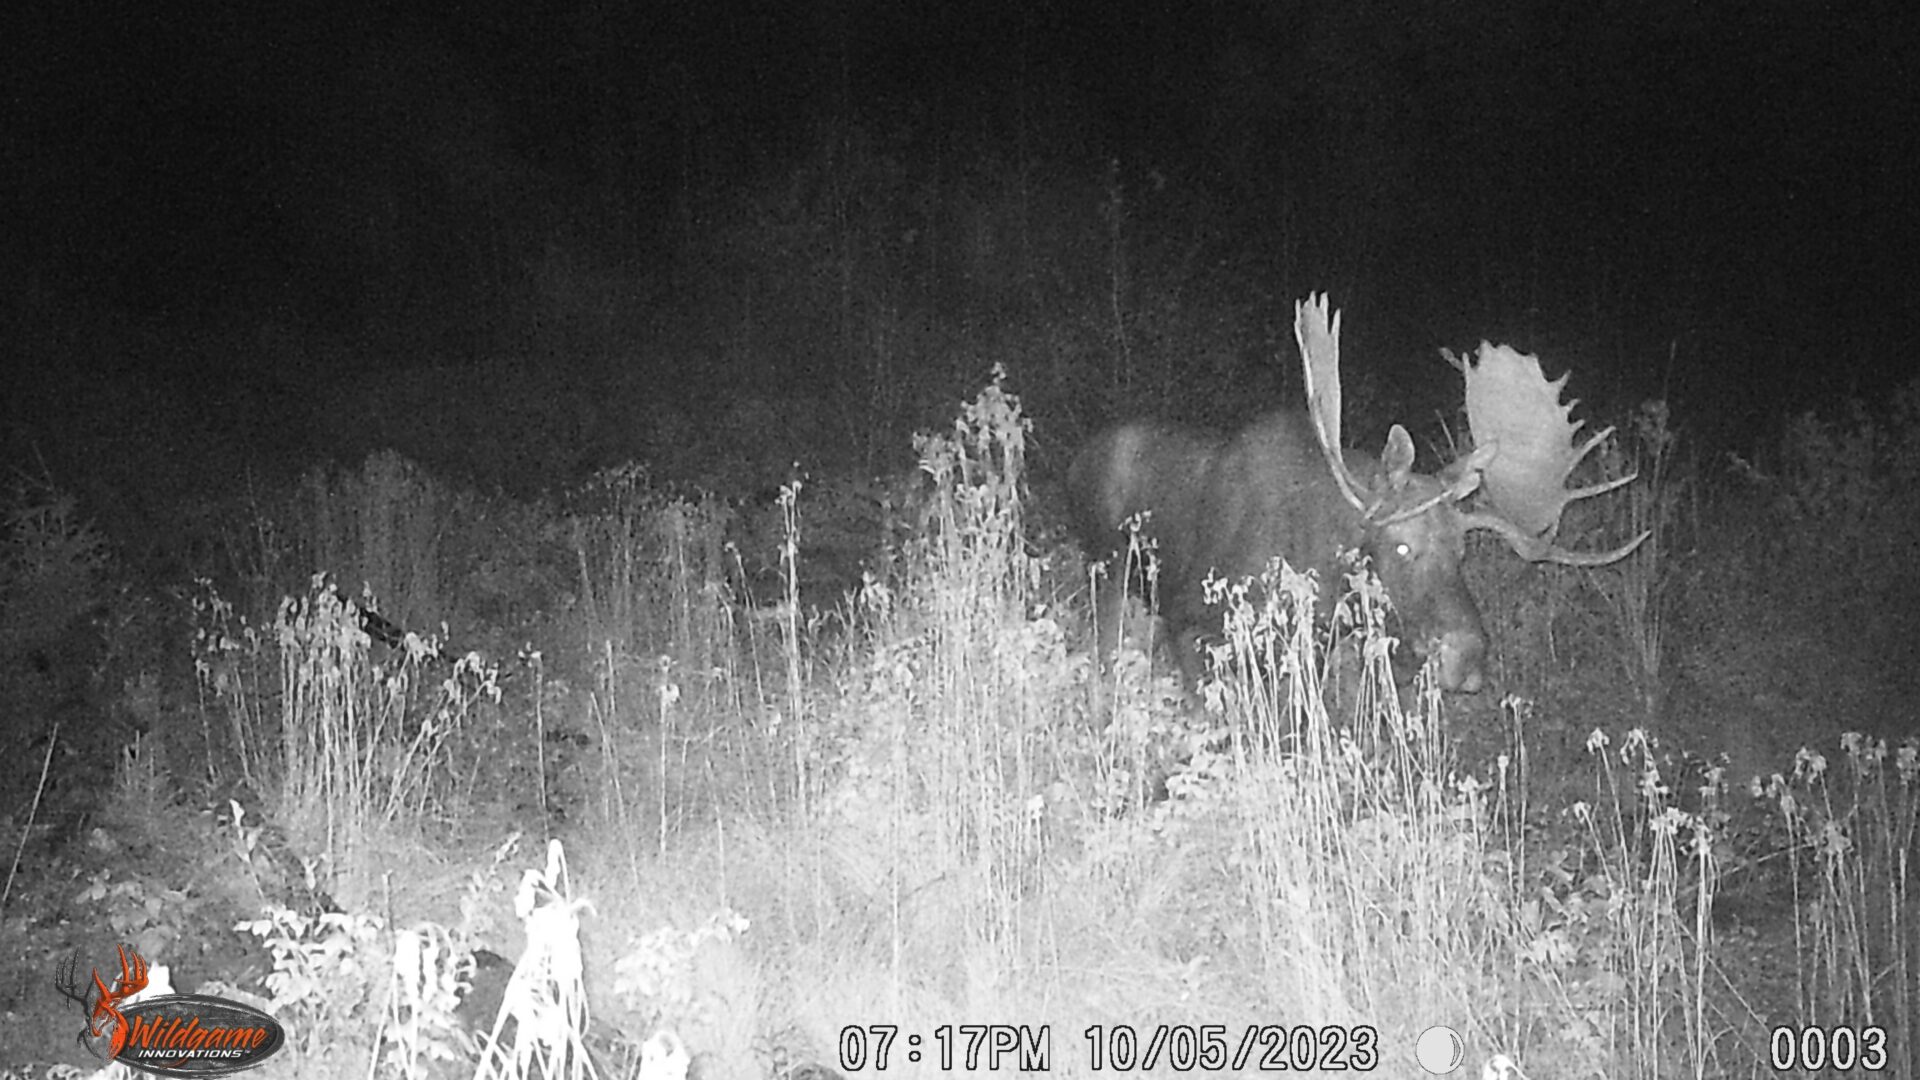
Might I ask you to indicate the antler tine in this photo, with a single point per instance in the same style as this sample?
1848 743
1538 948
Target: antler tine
1602 558
1415 510
1540 549
1320 364
133 979
1602 488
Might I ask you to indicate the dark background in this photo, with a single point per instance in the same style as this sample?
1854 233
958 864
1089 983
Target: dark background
520 241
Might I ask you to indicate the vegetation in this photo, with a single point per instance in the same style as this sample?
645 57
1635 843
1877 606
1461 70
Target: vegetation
744 720
774 827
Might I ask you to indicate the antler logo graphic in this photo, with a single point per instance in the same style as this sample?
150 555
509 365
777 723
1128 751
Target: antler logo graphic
141 1023
103 1001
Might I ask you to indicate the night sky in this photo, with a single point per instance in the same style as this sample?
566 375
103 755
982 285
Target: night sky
695 202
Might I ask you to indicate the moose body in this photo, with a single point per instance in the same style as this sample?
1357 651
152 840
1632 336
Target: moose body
1226 505
1283 487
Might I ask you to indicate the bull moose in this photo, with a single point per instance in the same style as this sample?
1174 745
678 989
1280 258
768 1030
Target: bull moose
1227 504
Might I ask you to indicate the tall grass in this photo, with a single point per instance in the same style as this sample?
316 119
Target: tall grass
930 812
1635 590
957 698
1853 828
381 528
362 747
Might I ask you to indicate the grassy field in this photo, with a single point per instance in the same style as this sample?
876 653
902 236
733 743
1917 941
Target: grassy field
718 824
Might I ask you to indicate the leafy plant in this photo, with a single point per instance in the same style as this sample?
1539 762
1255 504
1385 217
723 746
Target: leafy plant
328 970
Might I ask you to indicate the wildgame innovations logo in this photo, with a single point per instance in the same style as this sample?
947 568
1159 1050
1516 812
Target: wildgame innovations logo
133 1019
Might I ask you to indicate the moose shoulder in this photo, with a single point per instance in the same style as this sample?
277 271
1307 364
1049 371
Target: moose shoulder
1226 505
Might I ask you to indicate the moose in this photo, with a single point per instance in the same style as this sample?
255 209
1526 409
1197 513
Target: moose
1225 505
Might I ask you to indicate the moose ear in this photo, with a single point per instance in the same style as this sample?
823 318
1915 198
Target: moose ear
1396 461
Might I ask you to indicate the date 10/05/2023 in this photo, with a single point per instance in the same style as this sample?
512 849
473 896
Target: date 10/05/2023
1028 1048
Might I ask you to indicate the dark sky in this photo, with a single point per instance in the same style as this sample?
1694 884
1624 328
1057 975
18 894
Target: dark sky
230 184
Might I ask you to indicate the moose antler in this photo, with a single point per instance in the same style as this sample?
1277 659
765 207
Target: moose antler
1512 405
1320 364
1320 361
